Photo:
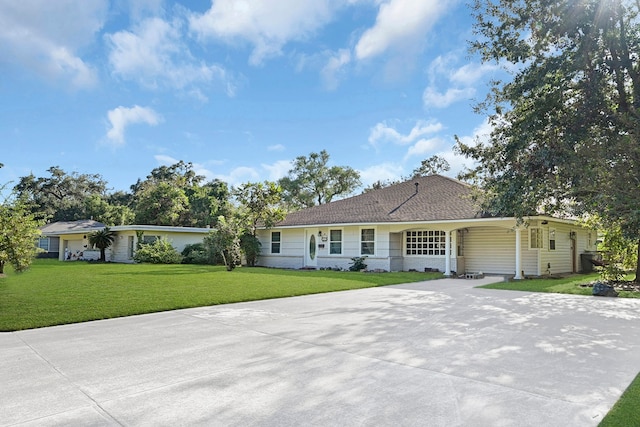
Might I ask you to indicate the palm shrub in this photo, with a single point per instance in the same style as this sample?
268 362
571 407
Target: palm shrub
102 239
159 252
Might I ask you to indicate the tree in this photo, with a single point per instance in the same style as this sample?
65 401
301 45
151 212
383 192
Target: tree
565 136
161 204
207 202
19 230
311 181
98 208
225 241
618 252
431 166
102 239
61 196
196 204
260 205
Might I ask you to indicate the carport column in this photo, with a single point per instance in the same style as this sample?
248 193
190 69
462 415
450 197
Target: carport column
518 275
447 254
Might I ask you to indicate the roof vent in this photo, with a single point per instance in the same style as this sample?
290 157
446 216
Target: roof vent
417 184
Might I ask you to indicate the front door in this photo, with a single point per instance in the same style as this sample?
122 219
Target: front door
311 249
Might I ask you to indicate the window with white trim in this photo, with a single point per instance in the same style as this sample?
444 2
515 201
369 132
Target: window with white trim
367 241
335 242
425 242
552 240
535 238
275 242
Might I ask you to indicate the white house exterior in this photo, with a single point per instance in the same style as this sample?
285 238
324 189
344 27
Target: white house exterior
72 239
425 223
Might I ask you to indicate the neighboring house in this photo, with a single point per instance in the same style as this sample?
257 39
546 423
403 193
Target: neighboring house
425 223
74 235
70 239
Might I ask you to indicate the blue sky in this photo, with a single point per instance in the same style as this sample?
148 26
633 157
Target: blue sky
239 88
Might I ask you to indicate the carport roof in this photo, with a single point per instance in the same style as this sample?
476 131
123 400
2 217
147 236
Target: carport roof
70 227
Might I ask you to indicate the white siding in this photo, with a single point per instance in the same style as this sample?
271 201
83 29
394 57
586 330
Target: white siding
119 251
492 250
558 260
291 249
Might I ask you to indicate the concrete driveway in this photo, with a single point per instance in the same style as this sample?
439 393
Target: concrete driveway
435 353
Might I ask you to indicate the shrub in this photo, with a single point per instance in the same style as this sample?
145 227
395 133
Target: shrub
250 246
358 264
158 252
224 241
196 253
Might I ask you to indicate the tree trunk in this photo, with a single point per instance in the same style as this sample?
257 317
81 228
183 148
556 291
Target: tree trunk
103 255
637 279
224 258
1 267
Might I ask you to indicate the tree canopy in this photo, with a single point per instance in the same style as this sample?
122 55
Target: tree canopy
175 195
60 196
565 136
312 181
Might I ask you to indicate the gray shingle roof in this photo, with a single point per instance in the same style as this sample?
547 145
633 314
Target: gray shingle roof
434 198
72 226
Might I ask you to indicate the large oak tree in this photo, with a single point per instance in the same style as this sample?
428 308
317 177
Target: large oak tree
311 181
566 123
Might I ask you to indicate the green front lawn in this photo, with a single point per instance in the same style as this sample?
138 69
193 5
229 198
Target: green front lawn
55 293
565 285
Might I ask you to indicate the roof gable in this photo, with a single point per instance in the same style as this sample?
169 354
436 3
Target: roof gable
427 198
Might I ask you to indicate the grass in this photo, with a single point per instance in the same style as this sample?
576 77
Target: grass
55 293
626 411
565 285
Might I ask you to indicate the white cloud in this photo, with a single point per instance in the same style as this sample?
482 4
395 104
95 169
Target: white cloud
155 55
424 147
165 160
382 172
268 26
432 98
45 37
276 147
334 69
460 81
400 23
381 133
470 74
458 162
121 117
480 134
278 170
239 176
